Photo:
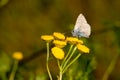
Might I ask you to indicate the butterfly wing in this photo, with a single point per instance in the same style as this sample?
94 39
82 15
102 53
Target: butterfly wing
80 19
82 28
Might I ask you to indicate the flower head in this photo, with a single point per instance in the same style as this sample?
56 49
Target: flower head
58 52
74 40
18 55
83 48
47 38
80 41
59 35
59 43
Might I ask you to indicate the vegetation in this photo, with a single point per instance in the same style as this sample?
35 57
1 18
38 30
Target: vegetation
23 22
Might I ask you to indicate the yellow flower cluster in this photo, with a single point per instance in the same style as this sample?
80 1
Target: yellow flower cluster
58 52
83 48
18 55
59 36
74 40
60 41
47 38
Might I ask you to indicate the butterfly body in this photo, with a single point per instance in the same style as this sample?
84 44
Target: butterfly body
82 28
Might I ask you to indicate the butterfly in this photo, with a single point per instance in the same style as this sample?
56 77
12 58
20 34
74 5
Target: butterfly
82 28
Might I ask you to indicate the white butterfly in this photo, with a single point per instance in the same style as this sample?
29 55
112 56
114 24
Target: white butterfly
82 28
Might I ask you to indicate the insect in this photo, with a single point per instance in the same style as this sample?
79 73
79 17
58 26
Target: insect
82 28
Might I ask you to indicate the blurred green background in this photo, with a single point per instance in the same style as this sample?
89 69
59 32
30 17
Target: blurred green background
22 22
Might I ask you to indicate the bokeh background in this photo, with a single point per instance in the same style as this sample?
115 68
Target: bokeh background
22 22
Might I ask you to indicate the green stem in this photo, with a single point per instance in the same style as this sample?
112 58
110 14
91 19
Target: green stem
71 63
47 59
60 74
12 75
58 62
69 57
110 67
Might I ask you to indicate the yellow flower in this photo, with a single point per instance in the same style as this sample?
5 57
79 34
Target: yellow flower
74 40
18 55
47 38
59 35
59 43
80 41
83 48
58 52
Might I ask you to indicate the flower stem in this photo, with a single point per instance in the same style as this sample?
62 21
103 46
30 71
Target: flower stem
47 59
60 74
71 63
110 67
69 57
12 75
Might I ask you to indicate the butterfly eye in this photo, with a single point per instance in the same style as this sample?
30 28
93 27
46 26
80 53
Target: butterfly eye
72 31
